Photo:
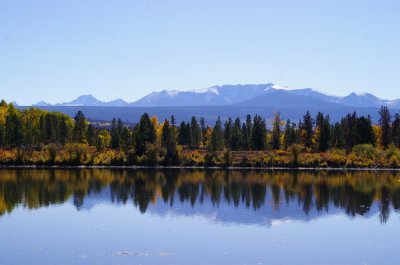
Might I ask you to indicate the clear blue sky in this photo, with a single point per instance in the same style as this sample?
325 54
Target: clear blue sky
57 50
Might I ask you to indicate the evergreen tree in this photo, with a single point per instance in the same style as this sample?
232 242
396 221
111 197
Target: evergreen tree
349 124
228 127
237 136
259 133
203 128
80 128
168 141
396 130
145 133
364 131
384 124
173 121
324 130
195 133
276 132
247 131
290 136
307 130
182 134
217 137
91 135
337 140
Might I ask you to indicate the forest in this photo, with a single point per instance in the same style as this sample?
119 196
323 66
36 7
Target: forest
38 137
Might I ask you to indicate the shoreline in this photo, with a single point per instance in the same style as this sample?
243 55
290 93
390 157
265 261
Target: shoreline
196 167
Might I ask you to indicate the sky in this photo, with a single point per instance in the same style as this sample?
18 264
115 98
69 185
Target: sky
58 50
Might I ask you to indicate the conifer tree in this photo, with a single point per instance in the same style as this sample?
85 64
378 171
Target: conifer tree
384 124
276 132
80 128
259 133
145 133
237 136
217 137
307 130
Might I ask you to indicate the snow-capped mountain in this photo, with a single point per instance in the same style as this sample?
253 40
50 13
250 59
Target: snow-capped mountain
260 95
216 95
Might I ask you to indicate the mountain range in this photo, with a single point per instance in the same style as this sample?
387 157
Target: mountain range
258 95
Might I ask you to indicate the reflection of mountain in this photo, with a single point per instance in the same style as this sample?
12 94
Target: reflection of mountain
248 197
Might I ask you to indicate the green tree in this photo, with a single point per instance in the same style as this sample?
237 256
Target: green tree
307 130
290 135
195 133
396 130
217 137
228 128
364 131
237 136
259 133
384 124
276 132
80 128
168 142
13 127
145 134
324 132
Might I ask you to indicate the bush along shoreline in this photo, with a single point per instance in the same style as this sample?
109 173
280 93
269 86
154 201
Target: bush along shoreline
34 137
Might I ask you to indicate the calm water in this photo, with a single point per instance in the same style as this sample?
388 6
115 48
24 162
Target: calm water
198 217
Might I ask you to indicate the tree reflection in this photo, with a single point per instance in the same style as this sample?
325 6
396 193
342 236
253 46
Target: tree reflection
354 193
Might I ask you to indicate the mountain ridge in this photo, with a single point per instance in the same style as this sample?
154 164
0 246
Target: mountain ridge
248 94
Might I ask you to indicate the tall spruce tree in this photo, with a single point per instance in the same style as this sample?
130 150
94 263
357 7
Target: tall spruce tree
307 130
217 137
80 128
324 130
195 133
276 132
237 136
259 133
228 127
384 124
364 131
145 133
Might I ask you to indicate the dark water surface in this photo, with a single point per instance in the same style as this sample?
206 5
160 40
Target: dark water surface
98 216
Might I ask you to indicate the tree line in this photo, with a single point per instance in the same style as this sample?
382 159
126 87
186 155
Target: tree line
37 129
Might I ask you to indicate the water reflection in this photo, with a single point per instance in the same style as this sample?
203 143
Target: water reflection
266 195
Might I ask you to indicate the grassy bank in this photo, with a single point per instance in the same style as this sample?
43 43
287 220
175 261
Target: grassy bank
362 156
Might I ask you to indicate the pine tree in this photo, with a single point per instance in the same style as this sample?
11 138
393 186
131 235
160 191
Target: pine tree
247 131
307 130
289 137
384 124
259 133
217 137
228 127
237 136
324 129
396 130
80 128
276 133
337 140
348 125
145 133
195 133
364 131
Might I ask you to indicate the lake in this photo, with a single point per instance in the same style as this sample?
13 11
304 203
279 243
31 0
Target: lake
181 216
